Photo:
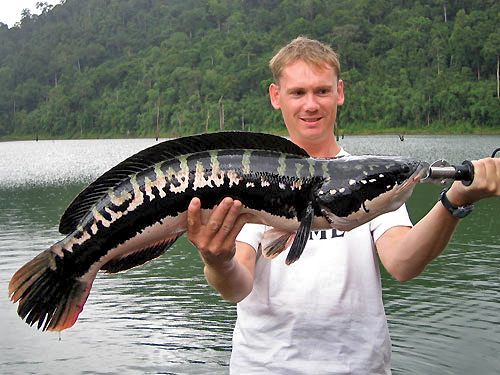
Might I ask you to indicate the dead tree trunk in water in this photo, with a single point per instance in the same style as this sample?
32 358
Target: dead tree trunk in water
221 114
206 121
158 118
498 77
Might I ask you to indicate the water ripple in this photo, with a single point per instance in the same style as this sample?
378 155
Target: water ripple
60 162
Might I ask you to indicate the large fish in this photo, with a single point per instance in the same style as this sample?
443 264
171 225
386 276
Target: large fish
134 212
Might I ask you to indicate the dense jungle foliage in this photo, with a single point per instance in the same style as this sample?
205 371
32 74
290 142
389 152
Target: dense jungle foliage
117 68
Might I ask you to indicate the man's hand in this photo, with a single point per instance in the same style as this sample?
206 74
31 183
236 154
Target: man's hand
405 252
228 271
486 183
215 238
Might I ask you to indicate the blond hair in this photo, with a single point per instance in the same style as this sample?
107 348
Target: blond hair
308 50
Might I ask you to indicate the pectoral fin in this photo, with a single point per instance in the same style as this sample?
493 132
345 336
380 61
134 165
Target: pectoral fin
301 237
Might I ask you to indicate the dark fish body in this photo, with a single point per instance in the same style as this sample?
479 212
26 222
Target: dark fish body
135 211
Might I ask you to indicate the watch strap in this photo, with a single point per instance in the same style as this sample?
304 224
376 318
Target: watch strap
457 211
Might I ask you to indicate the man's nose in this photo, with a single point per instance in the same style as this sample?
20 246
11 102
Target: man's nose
311 103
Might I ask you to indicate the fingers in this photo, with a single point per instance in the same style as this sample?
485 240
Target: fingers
233 222
491 170
215 237
486 182
487 177
226 220
222 219
194 216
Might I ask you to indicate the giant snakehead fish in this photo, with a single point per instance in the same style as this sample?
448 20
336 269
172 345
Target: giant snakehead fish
135 211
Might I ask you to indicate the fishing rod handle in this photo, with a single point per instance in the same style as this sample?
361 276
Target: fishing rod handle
441 172
465 172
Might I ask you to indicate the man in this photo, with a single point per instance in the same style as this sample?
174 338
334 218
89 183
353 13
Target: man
324 313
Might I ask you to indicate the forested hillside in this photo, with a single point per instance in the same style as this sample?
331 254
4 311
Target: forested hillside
97 68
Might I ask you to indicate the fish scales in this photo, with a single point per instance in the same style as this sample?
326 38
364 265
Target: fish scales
259 185
147 203
134 212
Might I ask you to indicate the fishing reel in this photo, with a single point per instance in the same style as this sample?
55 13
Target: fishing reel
443 173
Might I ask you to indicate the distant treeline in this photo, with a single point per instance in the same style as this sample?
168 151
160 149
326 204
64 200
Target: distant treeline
100 68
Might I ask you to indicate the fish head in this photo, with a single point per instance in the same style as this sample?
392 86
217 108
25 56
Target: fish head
360 188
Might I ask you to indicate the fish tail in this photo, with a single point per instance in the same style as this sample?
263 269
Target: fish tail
46 296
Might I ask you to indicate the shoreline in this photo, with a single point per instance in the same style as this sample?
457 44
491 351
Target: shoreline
364 132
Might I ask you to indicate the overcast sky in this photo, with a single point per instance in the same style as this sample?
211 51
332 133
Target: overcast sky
10 10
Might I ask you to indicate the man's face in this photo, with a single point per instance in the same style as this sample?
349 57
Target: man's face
308 98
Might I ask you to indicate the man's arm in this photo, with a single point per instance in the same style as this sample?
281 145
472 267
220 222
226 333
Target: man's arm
229 266
405 252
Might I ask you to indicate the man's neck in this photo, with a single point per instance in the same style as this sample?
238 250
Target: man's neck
320 150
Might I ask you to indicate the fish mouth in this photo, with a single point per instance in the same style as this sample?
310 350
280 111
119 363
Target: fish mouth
385 202
420 169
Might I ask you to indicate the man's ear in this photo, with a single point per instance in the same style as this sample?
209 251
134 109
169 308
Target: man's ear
340 92
274 94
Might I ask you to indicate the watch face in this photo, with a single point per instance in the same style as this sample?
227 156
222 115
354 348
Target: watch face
463 211
457 211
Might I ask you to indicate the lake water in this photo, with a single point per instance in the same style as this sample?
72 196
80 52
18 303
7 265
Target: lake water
162 318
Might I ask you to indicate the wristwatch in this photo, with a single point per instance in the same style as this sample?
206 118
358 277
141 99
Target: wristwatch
458 211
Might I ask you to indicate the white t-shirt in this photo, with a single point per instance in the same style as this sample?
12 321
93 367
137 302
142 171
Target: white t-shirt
324 313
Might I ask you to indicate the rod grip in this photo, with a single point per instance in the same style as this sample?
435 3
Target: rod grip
465 172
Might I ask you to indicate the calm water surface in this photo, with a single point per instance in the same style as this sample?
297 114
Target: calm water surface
162 317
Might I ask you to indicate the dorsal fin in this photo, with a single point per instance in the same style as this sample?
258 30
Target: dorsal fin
164 151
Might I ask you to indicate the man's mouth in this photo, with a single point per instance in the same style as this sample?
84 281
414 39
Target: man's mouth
310 119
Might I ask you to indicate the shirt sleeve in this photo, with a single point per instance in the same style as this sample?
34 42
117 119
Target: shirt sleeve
252 235
382 223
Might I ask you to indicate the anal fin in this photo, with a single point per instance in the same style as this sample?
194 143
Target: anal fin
140 256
